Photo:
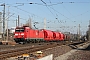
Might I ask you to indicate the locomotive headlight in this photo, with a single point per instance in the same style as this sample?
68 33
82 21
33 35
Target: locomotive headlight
22 34
16 34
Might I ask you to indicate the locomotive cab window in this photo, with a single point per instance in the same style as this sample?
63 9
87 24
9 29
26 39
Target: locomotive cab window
19 30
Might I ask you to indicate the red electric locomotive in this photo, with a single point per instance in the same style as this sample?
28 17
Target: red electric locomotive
25 34
48 35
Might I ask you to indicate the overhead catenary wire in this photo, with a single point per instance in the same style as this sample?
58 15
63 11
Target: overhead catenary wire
57 12
24 10
48 8
68 11
54 10
47 5
66 2
52 5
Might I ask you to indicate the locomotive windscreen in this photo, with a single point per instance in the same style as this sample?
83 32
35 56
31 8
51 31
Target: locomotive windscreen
19 30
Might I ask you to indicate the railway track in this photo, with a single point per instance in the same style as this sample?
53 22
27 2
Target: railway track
79 45
19 50
8 47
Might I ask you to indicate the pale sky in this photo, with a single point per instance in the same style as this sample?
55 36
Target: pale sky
63 15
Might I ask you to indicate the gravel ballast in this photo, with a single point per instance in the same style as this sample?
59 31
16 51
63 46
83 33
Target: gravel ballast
67 53
80 55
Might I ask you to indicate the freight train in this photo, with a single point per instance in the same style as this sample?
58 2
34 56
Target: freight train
25 34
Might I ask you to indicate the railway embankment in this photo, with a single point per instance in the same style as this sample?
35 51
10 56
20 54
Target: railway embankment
82 52
59 52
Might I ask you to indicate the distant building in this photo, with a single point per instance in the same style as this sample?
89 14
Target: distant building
66 32
12 29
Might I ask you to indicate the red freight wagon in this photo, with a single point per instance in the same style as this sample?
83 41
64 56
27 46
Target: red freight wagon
48 35
62 36
56 36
